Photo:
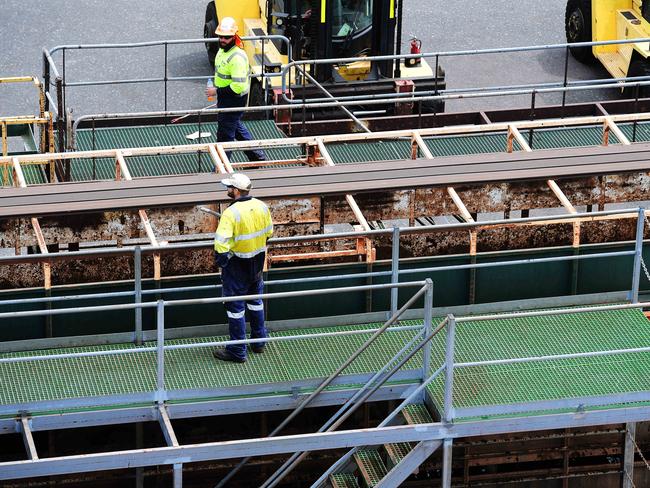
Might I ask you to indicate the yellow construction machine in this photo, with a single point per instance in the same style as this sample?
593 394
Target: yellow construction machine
326 29
608 20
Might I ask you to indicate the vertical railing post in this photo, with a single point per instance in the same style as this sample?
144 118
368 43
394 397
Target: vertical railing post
628 455
160 351
638 250
137 265
428 323
166 69
448 412
566 77
446 462
394 277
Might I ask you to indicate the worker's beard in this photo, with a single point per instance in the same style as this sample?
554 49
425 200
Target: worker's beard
227 45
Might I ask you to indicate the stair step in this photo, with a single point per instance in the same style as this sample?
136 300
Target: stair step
397 452
371 466
417 413
344 480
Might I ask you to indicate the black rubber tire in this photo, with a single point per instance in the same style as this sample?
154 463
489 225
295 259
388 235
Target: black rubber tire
638 67
577 22
211 22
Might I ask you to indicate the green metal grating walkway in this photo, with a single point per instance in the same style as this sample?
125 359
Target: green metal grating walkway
164 135
286 362
547 380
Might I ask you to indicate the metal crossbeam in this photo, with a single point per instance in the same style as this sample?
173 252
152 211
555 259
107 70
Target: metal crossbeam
170 438
313 442
28 439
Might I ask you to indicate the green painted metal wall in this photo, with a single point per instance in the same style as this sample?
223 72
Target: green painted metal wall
450 288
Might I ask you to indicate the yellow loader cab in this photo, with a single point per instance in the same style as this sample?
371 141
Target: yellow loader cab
323 29
607 20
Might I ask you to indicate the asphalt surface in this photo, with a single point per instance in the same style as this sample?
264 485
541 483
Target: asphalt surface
442 25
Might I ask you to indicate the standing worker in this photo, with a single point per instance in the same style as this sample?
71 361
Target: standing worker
231 86
240 252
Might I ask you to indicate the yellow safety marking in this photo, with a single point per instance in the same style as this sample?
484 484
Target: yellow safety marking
322 11
392 9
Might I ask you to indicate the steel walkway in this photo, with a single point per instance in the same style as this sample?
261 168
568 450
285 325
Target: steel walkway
286 364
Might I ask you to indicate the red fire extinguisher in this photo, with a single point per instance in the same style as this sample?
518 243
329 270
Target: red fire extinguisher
416 48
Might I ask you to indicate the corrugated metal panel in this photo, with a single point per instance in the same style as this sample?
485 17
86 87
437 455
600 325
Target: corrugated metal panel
568 137
164 135
469 144
350 152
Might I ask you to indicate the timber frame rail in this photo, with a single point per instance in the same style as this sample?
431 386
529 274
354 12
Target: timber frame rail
316 153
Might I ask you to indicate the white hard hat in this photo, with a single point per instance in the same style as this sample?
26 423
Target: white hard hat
239 181
227 27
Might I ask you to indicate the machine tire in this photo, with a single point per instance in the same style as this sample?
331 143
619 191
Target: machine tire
211 21
577 21
638 67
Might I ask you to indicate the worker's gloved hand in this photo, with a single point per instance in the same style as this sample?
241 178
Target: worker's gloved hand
221 259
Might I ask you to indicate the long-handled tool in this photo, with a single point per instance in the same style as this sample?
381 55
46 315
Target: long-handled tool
173 121
208 211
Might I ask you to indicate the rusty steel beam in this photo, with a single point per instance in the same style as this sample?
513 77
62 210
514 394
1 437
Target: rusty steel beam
330 180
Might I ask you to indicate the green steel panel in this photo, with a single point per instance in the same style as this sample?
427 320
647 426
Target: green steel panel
639 132
363 152
468 144
450 288
568 137
164 135
506 338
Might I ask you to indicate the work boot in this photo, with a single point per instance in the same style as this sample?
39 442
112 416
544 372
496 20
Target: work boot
226 355
257 349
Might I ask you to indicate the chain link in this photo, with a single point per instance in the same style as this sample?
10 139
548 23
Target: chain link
638 449
631 480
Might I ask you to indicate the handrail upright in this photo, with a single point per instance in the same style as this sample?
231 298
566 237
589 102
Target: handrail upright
330 379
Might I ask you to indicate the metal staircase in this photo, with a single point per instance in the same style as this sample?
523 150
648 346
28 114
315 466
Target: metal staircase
390 464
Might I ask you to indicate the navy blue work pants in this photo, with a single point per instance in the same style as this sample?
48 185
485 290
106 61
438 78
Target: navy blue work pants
230 128
239 311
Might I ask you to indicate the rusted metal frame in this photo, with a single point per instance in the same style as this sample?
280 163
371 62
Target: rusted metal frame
418 143
514 134
368 247
465 129
214 154
264 164
609 124
473 241
121 169
19 180
224 158
28 439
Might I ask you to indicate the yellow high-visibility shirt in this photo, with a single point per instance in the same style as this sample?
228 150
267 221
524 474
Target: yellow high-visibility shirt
244 228
231 69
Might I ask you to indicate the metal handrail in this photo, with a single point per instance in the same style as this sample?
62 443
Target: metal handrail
442 54
149 249
297 457
408 400
428 285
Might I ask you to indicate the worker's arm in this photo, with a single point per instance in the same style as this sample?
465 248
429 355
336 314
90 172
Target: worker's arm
223 239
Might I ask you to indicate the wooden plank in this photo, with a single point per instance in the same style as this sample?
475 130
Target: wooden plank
214 154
